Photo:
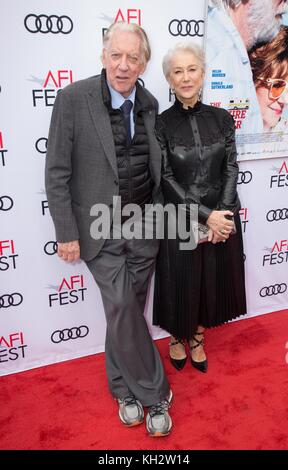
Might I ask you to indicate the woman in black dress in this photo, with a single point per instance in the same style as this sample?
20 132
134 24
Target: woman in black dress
202 287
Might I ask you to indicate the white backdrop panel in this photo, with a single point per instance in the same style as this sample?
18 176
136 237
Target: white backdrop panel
51 311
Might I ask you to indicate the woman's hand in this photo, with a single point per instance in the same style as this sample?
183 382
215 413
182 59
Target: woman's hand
220 227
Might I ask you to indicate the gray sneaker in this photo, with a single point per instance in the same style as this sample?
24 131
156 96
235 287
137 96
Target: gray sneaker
131 411
158 420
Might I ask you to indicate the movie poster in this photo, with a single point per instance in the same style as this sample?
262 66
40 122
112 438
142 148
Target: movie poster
247 71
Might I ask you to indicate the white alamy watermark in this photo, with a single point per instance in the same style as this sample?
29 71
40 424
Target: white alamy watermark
135 222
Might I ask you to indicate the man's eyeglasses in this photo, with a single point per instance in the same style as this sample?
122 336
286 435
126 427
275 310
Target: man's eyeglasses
277 86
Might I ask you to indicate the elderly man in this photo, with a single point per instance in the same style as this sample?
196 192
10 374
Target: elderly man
233 28
101 145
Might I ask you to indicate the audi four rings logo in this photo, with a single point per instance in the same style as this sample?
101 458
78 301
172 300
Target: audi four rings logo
69 333
11 300
6 203
41 145
183 28
277 214
50 248
273 290
48 24
244 177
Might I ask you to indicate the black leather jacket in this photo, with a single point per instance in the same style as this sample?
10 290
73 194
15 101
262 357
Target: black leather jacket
199 158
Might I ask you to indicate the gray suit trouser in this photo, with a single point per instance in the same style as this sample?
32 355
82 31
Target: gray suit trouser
122 271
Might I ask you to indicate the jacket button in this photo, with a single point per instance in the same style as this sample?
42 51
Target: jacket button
116 182
111 205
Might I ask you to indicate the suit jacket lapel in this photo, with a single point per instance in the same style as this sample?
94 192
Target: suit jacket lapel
101 120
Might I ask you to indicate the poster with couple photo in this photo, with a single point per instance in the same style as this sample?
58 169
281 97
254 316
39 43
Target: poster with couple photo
246 46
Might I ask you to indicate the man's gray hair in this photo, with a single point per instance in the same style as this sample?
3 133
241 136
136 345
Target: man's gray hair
225 3
132 28
194 49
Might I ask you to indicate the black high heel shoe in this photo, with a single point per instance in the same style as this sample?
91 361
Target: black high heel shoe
177 363
202 366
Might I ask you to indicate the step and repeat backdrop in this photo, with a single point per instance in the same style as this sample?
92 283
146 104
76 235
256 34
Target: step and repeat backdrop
51 311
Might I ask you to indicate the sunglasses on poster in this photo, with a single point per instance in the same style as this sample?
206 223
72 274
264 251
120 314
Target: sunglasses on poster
277 86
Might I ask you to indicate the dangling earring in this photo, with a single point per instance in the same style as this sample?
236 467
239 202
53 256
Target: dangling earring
200 94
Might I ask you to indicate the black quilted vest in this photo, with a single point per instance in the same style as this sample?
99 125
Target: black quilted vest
135 182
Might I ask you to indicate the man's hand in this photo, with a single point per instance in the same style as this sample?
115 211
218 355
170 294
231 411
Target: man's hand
69 251
220 226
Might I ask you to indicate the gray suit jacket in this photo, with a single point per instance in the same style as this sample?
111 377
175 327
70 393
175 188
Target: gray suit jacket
81 167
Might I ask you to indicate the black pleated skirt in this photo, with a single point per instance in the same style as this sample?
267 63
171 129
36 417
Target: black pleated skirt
204 286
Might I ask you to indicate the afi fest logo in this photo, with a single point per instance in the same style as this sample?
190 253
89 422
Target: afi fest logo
70 291
244 217
131 15
278 254
44 206
44 202
7 255
53 83
3 151
280 180
12 347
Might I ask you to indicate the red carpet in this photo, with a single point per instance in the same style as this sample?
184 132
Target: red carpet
241 403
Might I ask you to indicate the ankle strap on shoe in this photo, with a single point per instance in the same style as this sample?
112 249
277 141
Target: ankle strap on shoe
199 343
177 341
